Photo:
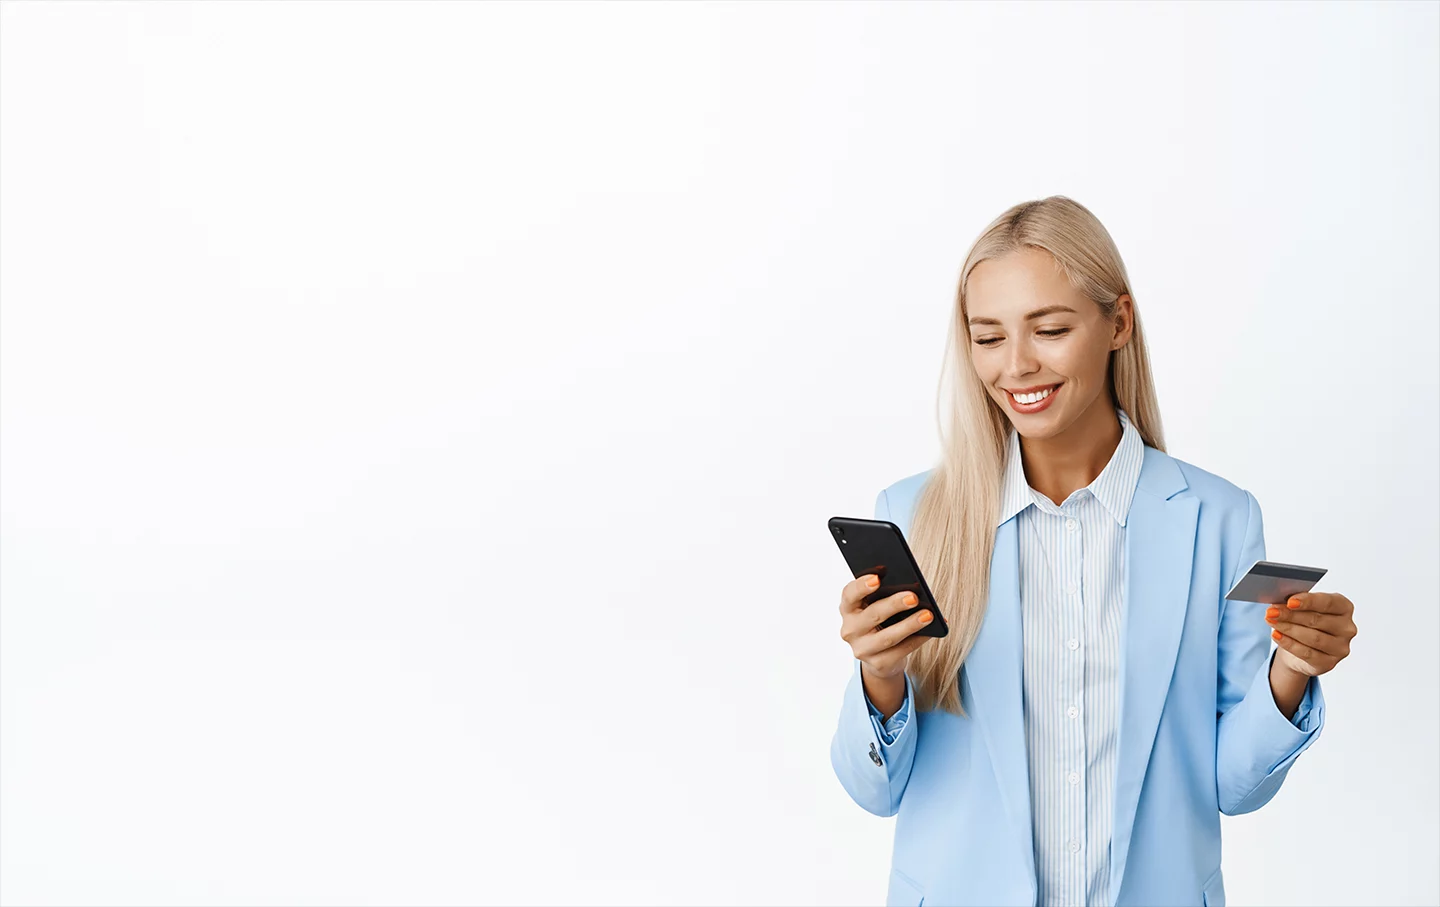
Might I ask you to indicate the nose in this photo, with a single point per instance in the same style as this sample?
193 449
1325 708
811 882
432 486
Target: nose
1022 359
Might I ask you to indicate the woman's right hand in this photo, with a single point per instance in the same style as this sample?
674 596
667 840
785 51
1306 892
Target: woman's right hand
883 652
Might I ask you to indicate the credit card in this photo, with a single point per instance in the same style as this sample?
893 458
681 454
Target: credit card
1272 583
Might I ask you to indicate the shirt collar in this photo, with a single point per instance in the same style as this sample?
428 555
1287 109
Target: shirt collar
1114 487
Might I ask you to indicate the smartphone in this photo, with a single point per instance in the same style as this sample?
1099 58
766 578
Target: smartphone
879 547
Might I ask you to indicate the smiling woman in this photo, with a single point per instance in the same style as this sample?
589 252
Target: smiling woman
1044 303
1096 706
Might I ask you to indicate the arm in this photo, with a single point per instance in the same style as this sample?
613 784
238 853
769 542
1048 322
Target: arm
872 757
1256 742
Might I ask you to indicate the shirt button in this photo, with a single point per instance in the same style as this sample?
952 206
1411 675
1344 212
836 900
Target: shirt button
1070 525
1073 644
1071 712
1070 588
1074 846
1073 778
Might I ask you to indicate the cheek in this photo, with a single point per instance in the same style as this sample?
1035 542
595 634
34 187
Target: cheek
1078 360
987 366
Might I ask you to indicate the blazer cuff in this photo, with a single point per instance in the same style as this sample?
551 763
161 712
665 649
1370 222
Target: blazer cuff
1277 739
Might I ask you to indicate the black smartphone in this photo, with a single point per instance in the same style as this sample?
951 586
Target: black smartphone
879 547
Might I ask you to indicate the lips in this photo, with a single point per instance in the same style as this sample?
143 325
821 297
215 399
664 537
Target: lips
1038 406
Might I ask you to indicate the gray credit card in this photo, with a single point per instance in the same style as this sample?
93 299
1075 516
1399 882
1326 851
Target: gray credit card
1272 583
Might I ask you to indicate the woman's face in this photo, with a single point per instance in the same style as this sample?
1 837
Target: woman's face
1031 331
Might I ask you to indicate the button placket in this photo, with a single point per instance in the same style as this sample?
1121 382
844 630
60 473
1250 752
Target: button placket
1075 672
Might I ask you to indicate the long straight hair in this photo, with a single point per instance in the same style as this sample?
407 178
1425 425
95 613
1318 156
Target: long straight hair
952 531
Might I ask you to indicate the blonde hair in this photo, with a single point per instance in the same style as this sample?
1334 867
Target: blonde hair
952 530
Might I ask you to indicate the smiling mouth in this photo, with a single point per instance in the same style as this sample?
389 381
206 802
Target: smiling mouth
1030 399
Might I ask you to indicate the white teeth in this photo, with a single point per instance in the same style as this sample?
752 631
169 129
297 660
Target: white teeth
1033 398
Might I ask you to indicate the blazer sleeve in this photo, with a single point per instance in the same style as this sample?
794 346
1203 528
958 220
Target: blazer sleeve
1256 744
873 762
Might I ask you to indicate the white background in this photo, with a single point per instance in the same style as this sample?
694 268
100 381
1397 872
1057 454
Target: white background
420 421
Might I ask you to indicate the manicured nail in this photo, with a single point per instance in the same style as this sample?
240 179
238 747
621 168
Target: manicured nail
926 617
872 581
1272 613
910 598
1275 635
1293 603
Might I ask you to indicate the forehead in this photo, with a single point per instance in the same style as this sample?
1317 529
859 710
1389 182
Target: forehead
1019 282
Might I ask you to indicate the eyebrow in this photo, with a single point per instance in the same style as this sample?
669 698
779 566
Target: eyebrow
1038 313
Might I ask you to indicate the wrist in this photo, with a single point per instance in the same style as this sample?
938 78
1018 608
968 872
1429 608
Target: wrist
881 678
1282 670
1287 686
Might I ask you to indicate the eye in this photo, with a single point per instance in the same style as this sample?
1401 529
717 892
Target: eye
991 341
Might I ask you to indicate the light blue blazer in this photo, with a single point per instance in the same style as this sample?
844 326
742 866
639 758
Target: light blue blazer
1200 733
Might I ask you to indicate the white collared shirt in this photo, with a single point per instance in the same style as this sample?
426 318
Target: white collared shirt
1072 582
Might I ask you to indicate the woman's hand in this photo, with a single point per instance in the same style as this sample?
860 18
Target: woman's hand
882 651
1313 631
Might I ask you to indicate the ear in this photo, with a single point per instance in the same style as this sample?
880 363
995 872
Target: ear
1124 321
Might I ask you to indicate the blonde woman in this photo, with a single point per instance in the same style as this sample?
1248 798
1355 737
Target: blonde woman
1097 703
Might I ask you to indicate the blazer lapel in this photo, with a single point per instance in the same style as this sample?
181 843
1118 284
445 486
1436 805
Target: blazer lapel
1159 547
994 698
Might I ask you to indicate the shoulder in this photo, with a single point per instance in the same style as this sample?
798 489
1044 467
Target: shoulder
1211 489
907 488
1224 506
1231 528
896 501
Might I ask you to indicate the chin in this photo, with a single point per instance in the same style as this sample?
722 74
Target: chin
1049 424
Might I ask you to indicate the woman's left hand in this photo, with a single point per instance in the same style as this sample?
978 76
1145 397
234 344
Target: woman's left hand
1313 631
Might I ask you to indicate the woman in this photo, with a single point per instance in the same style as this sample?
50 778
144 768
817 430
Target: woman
1097 703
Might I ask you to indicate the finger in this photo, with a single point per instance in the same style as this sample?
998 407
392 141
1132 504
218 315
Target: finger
1316 639
1334 624
898 633
887 660
1316 659
856 590
1322 602
871 616
887 607
891 636
911 644
858 624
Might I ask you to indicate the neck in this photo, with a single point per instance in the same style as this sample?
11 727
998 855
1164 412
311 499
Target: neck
1059 465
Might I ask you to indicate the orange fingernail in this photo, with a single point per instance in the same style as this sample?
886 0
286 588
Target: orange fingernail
872 581
1293 603
910 598
926 617
1272 613
1275 635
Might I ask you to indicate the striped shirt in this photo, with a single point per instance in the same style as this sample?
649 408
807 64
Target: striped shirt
1072 581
